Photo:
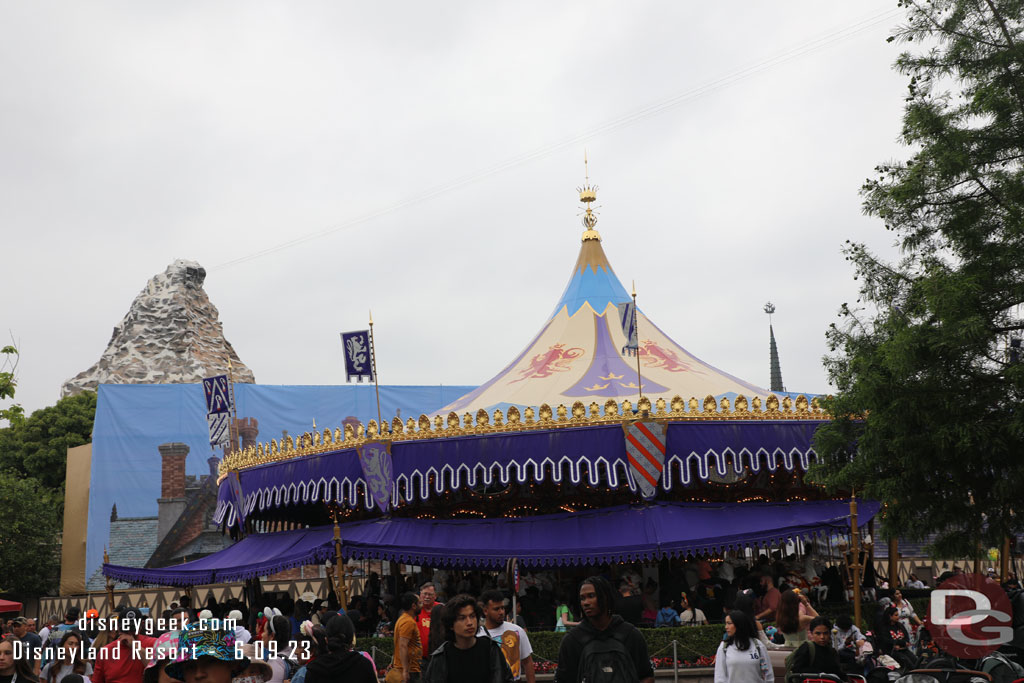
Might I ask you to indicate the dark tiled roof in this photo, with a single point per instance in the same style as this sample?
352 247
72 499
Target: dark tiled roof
132 542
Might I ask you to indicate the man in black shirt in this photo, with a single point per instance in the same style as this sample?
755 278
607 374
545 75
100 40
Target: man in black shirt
464 657
817 654
629 605
602 640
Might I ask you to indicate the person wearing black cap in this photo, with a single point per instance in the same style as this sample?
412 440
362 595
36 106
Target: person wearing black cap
31 642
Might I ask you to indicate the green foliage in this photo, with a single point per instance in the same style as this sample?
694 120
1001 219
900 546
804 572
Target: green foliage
37 446
694 641
923 355
30 523
8 383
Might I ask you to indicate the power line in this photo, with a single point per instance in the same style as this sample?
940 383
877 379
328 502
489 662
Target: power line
821 42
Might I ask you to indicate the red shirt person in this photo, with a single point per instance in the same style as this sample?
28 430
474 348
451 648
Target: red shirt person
767 605
124 661
428 598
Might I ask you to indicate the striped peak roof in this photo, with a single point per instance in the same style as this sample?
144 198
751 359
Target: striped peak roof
577 354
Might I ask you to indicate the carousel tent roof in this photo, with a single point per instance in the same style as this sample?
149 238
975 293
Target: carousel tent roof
615 534
577 354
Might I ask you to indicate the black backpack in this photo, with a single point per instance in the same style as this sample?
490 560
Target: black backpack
606 660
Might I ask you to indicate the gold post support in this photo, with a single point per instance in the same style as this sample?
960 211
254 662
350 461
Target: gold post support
376 384
339 567
854 564
110 584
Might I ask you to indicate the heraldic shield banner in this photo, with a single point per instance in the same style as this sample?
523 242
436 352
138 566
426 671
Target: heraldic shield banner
375 459
645 450
358 363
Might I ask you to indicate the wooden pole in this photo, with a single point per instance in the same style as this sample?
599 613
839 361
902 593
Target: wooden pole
894 563
1004 559
636 329
376 384
854 564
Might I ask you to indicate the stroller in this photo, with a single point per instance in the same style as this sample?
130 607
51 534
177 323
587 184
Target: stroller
823 678
945 675
1002 667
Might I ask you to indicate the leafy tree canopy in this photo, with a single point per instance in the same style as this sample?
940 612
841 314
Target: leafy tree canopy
8 383
30 522
36 446
924 354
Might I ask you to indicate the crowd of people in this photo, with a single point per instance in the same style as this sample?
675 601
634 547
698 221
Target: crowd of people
467 639
462 628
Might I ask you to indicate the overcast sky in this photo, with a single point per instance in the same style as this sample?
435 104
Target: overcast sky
430 154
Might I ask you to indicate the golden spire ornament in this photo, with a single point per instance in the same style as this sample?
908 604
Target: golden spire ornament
588 195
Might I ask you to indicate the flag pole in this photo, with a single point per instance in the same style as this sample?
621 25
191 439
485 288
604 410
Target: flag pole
376 384
636 329
233 424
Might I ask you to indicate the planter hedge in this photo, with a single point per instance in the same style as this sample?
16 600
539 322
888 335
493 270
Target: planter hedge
694 641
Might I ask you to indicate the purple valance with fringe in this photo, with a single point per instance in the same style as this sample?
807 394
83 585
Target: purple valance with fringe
622 533
694 451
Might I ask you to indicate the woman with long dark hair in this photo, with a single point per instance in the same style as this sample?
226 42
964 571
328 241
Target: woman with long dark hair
277 639
742 658
437 633
341 662
312 645
893 638
68 659
14 670
794 616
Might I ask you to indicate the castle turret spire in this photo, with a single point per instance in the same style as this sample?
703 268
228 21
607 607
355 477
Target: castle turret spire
773 350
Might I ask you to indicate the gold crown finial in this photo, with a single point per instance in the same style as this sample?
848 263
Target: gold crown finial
588 195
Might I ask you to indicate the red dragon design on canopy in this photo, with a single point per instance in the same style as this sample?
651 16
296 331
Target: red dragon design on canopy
655 356
556 359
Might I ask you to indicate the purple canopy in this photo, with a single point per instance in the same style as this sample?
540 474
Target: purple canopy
615 534
695 450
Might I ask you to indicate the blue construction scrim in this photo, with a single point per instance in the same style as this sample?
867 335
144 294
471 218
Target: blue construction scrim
133 420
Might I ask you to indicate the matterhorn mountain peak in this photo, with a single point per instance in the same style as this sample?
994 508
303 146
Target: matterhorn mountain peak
171 334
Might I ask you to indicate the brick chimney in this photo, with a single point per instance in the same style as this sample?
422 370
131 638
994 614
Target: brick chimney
172 486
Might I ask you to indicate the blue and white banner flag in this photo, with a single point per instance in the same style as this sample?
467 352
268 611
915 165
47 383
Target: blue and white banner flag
220 428
357 355
218 394
627 318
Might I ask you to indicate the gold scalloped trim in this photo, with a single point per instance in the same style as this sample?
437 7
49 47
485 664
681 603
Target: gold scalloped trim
676 410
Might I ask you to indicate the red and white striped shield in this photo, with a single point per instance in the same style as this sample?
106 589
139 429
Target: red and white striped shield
645 450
